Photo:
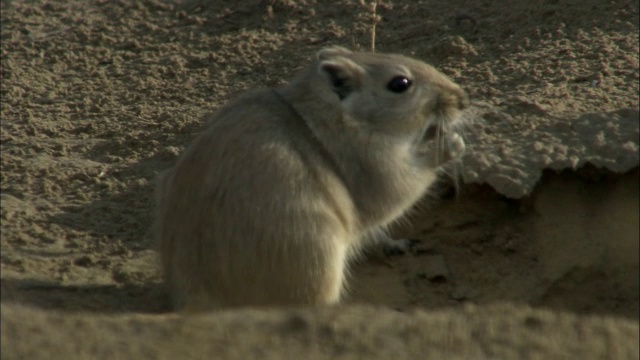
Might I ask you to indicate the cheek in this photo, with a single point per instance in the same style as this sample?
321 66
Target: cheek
403 109
393 114
362 107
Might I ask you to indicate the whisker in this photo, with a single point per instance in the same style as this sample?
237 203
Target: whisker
440 139
425 129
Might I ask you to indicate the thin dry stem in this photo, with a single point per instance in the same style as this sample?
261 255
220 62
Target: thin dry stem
375 19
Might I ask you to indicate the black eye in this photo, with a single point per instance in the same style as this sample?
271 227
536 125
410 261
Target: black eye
399 84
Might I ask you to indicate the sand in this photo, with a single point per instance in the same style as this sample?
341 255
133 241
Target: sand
534 256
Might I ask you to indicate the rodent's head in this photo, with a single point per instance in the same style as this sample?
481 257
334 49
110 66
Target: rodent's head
390 94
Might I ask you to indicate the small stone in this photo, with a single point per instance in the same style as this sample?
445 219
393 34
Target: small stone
84 261
120 276
462 292
435 269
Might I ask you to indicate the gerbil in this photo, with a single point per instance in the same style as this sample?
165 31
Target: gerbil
284 186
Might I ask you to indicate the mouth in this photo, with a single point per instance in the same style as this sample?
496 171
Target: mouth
430 133
439 145
433 133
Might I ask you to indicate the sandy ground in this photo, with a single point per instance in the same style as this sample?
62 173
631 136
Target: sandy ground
534 257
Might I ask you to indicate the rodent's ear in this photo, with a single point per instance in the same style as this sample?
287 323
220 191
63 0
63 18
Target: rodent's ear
332 51
342 74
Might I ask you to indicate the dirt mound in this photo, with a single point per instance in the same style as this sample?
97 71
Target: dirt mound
495 332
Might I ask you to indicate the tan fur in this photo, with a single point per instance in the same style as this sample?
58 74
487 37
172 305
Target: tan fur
270 202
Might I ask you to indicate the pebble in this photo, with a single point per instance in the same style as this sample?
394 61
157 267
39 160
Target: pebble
435 268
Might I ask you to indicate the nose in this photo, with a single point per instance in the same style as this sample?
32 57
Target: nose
452 99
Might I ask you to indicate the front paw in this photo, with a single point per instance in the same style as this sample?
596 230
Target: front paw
385 246
440 151
455 147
